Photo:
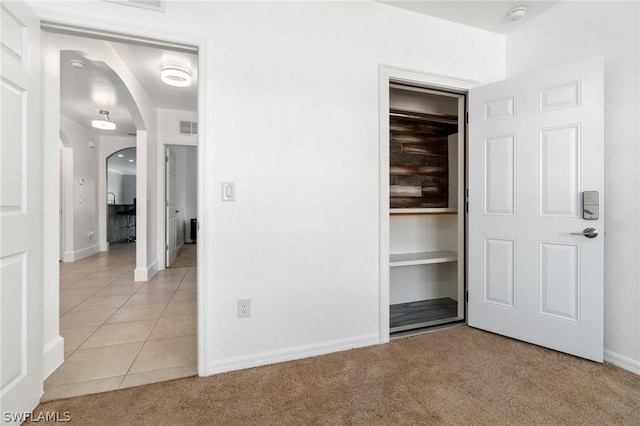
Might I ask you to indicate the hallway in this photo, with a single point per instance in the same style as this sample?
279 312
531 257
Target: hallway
119 333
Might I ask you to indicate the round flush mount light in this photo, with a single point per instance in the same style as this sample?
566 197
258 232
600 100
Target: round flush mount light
517 13
103 122
77 64
175 76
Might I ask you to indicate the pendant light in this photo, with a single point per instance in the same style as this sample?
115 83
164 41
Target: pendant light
103 122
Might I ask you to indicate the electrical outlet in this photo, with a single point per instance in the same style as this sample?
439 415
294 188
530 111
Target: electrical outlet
244 308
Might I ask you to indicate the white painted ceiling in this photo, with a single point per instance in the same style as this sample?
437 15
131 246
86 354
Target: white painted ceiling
83 92
486 15
123 165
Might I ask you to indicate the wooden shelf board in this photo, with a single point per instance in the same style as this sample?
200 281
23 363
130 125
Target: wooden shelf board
424 211
423 258
424 324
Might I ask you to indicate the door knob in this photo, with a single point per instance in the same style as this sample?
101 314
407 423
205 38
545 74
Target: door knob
587 232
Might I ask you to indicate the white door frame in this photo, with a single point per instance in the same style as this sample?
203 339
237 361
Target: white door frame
162 219
204 155
168 153
386 74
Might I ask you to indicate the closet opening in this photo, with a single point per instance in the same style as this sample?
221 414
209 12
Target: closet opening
426 207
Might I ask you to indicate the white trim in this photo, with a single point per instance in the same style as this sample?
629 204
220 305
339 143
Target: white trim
72 256
290 354
145 274
638 159
53 356
112 30
387 74
204 278
622 361
161 7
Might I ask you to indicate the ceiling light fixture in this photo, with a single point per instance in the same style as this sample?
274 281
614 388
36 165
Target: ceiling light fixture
175 76
517 13
103 122
77 63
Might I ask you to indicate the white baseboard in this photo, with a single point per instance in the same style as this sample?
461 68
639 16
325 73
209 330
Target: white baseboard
53 356
145 274
72 256
152 269
140 274
290 354
622 361
104 247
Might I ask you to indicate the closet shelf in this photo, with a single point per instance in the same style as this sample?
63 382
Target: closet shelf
423 258
396 211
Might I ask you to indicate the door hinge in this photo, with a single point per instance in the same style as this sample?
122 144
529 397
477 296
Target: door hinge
166 159
466 206
467 117
167 247
467 296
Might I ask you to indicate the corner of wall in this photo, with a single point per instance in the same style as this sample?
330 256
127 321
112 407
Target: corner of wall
621 361
53 356
145 274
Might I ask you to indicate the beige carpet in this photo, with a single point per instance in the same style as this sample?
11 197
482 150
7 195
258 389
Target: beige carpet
459 376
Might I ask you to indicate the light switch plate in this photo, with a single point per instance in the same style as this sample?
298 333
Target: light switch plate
228 191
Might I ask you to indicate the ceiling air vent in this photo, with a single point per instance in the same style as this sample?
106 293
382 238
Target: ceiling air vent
188 128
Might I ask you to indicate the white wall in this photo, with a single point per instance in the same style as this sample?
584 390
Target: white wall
85 202
571 31
290 112
128 188
114 186
168 126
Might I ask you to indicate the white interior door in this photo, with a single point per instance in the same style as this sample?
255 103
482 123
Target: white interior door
170 203
20 214
535 144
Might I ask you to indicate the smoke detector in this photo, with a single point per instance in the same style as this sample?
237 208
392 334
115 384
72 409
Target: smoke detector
517 13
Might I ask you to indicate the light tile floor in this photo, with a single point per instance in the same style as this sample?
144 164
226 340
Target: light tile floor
119 333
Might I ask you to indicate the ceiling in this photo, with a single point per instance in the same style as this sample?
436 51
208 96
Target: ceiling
85 91
120 162
486 15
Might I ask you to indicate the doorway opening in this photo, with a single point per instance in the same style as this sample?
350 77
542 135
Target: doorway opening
116 300
180 178
426 187
422 201
121 197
